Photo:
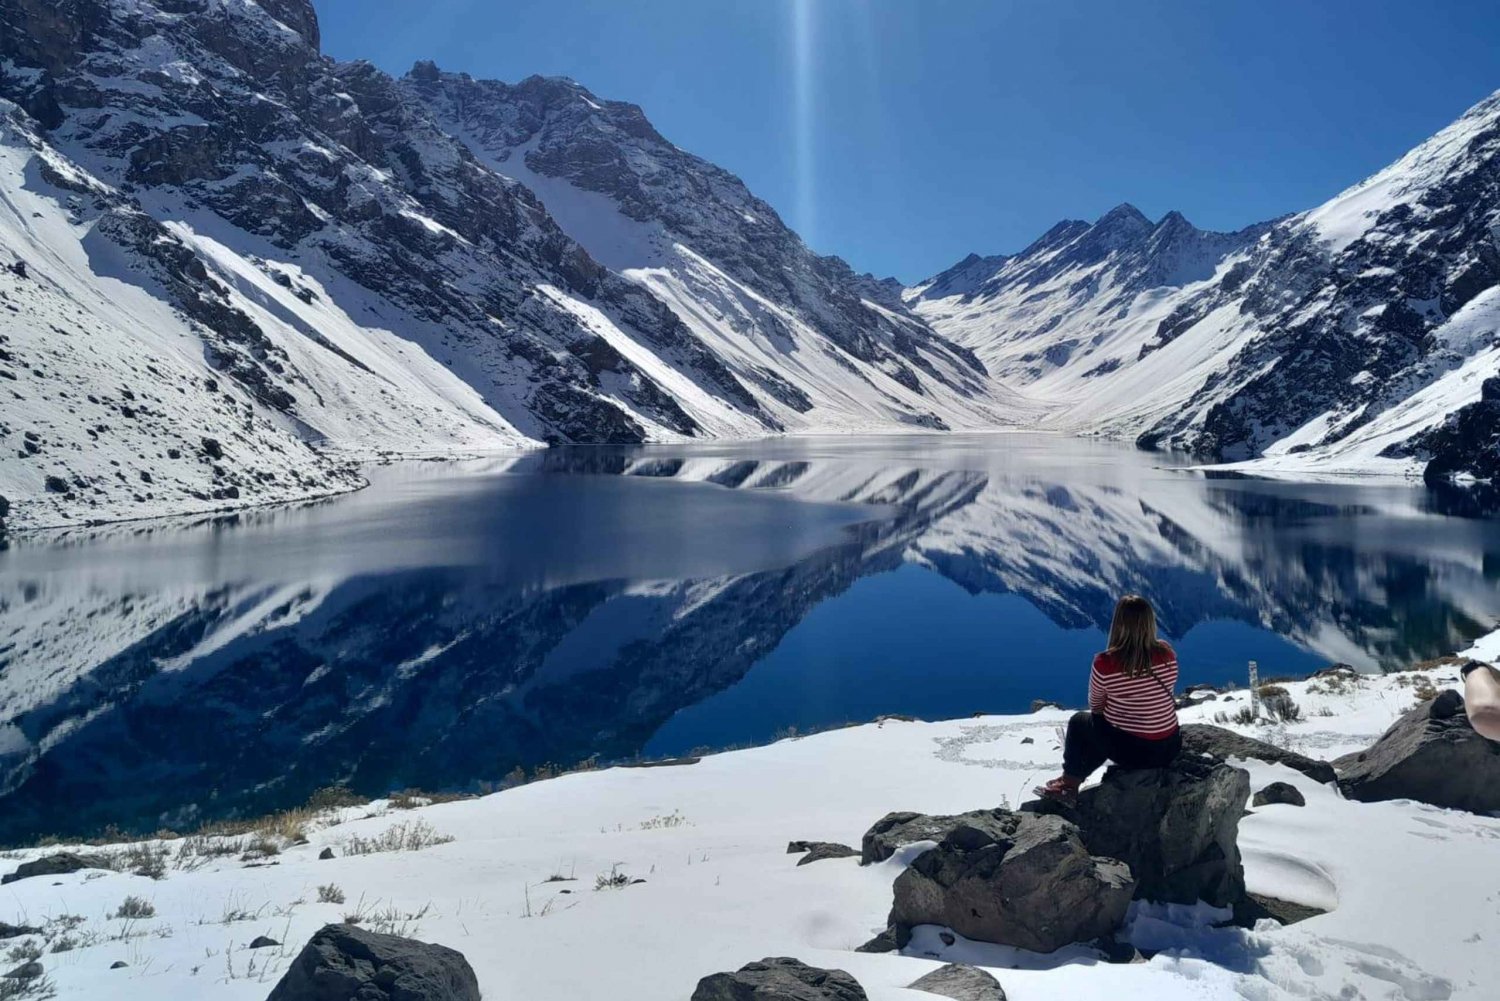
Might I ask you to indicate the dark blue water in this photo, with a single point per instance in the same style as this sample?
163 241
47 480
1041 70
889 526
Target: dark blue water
455 622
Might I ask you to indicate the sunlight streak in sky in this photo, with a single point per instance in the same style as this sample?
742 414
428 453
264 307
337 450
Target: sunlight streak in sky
803 117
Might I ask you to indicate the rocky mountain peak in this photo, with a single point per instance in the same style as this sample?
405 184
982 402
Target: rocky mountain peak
298 15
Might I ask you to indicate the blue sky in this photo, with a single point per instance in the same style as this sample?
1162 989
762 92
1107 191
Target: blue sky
903 134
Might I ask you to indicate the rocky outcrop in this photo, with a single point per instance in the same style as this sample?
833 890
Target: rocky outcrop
1018 879
1176 827
906 827
960 983
344 961
1431 755
16 931
1279 792
1204 738
780 979
818 851
55 865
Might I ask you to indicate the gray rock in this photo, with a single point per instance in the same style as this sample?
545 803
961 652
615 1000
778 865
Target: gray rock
55 865
26 971
961 983
818 851
1019 879
1203 738
779 980
1176 827
118 964
1037 705
1431 755
344 962
16 931
1279 792
906 827
325 854
263 942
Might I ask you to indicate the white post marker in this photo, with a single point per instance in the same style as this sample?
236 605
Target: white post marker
1254 689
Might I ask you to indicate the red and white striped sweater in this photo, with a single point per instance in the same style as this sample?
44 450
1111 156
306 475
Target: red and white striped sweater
1144 706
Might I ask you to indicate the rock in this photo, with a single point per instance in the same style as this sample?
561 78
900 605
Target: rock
1204 738
1279 792
779 980
26 971
55 865
818 851
1176 827
884 942
906 827
325 854
1431 755
961 983
1028 740
1019 879
118 964
1257 907
342 962
1037 705
263 942
16 931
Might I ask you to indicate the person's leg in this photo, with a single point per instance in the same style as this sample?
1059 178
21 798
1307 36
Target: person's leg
1086 745
1482 699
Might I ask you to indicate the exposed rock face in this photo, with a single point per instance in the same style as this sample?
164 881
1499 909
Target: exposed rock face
1204 738
343 962
960 983
1468 441
905 827
817 851
780 979
55 865
1176 827
1279 792
1017 879
1431 755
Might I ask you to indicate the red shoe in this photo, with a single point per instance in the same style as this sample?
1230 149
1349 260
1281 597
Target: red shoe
1063 789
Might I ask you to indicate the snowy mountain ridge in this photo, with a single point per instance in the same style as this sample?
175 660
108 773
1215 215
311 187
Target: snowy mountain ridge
201 209
1349 338
233 266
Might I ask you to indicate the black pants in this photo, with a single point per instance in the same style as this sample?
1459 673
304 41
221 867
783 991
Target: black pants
1091 741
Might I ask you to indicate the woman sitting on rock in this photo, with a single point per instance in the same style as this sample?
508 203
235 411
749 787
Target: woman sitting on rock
1132 717
1482 698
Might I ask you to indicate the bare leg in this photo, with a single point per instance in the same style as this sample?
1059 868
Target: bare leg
1482 700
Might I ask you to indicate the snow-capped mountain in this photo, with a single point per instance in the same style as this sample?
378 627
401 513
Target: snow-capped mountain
213 233
1340 339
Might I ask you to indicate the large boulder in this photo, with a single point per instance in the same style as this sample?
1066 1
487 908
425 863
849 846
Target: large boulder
1204 738
960 983
1176 827
1016 879
1431 755
345 962
59 864
779 980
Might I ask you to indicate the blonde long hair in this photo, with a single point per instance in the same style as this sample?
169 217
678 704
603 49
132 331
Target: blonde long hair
1132 635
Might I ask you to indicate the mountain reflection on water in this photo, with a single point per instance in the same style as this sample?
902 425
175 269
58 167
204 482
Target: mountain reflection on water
457 620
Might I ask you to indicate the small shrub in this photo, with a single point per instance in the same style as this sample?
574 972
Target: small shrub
612 880
330 893
407 836
135 908
24 952
335 798
665 822
36 989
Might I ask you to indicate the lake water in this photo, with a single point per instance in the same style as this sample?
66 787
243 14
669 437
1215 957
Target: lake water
457 620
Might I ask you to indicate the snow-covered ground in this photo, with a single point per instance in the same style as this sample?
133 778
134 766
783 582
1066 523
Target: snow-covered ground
1409 920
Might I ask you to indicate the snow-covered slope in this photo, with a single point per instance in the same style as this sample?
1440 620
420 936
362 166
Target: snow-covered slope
293 257
1340 339
831 348
509 879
